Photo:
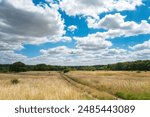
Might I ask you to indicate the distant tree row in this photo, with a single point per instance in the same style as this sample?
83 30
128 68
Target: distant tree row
136 65
140 65
21 67
124 66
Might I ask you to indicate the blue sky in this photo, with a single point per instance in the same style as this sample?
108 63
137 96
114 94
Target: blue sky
77 32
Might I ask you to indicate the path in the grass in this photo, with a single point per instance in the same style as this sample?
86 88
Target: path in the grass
91 92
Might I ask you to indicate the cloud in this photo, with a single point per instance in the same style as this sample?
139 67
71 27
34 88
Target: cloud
143 54
140 51
56 51
49 1
21 22
92 42
68 56
72 28
11 57
108 22
79 56
143 46
112 52
95 7
55 39
140 55
24 23
60 50
64 55
65 39
115 23
7 47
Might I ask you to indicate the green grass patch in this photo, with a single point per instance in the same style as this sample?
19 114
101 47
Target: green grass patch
133 96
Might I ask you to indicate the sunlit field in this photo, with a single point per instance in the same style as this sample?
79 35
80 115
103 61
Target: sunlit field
121 84
37 86
75 85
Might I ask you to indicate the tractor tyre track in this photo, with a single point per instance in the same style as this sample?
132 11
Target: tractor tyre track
91 92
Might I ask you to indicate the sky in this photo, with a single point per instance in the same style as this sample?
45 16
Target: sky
74 32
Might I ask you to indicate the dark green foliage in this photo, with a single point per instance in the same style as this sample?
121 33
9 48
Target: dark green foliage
15 81
86 68
66 70
4 68
125 66
18 67
131 66
41 67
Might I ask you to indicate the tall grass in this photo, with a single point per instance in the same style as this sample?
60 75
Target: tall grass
122 84
37 86
50 86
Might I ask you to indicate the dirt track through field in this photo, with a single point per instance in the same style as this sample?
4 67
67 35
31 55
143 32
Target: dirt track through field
91 92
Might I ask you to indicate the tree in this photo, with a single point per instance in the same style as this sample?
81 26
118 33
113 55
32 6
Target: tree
18 67
41 67
66 70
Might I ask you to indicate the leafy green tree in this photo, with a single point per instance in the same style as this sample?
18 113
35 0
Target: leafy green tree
41 67
18 67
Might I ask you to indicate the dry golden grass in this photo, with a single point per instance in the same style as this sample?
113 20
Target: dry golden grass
92 93
37 86
51 86
123 84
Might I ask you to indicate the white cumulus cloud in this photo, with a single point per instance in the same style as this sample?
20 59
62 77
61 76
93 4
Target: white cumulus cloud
116 23
24 23
92 42
145 45
95 7
72 28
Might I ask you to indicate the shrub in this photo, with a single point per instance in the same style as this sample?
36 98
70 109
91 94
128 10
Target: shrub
66 70
15 81
138 72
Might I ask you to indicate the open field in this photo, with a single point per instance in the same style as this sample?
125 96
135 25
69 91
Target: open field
121 84
75 85
37 86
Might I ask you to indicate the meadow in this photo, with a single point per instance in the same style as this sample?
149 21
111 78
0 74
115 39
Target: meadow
129 85
37 86
75 85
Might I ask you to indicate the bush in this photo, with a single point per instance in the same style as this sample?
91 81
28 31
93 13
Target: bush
138 72
66 70
15 81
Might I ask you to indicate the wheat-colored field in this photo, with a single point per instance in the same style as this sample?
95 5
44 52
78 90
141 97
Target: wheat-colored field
81 85
122 84
37 86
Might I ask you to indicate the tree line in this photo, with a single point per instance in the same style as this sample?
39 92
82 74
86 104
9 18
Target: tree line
140 65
